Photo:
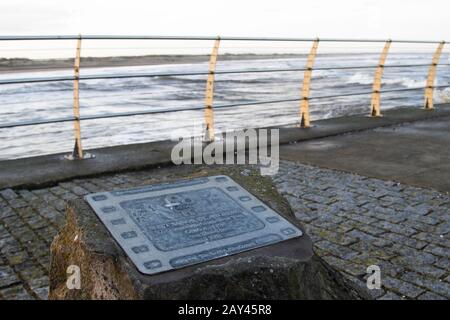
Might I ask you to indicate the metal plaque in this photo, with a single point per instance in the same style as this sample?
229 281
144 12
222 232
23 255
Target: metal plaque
174 225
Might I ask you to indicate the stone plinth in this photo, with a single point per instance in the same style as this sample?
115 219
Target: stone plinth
286 270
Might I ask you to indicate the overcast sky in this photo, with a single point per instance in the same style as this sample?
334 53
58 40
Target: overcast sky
427 19
397 19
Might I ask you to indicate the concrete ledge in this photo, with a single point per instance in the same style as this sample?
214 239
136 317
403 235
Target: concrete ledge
50 169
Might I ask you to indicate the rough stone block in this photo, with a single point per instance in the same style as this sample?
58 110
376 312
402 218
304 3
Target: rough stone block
286 270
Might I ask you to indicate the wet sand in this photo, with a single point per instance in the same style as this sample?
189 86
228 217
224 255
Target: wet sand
24 65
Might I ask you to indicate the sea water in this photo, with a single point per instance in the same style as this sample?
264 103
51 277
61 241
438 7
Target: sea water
38 101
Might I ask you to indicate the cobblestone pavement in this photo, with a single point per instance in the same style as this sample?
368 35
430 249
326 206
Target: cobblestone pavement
354 222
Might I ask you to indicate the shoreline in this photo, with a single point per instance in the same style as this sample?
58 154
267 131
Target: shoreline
18 65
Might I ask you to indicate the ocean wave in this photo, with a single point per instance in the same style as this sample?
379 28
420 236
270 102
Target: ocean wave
360 78
443 96
406 82
367 79
43 100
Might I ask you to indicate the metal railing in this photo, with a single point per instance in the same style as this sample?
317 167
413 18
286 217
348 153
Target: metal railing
304 97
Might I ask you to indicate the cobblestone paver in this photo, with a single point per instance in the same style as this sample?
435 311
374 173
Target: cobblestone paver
354 222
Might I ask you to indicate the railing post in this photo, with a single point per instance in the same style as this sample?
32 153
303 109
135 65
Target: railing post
429 90
77 153
78 149
375 104
209 93
304 104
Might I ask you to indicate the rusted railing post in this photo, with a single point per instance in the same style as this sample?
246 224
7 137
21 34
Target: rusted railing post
429 89
209 94
304 104
78 149
77 153
375 104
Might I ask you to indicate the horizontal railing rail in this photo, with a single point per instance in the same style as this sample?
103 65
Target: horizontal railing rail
201 38
208 108
183 74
